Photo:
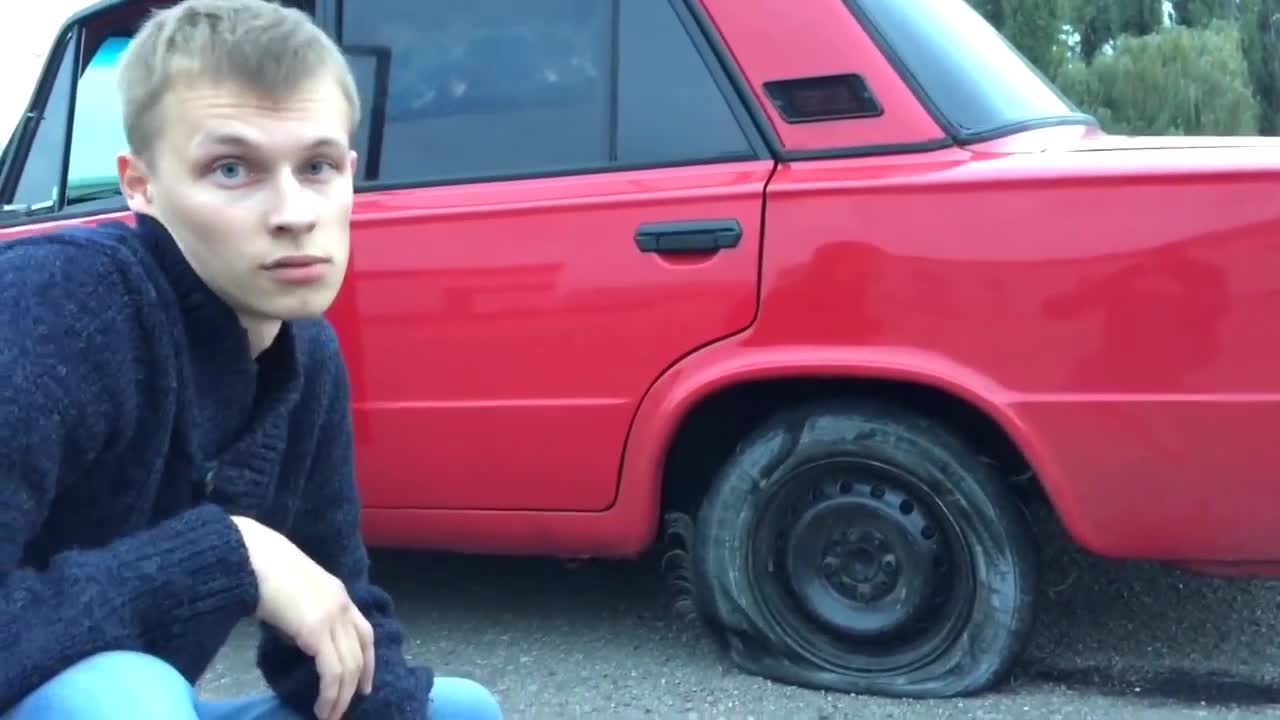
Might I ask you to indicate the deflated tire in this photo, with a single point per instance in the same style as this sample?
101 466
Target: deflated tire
856 547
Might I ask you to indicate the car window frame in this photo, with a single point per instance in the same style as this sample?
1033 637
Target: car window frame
70 184
757 146
63 51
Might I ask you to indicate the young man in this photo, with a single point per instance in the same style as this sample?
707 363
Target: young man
175 431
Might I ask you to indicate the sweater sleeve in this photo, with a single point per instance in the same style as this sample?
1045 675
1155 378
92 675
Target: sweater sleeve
70 357
327 529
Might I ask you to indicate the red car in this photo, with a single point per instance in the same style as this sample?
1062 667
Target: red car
815 296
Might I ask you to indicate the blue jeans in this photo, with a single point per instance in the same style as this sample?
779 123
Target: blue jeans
120 685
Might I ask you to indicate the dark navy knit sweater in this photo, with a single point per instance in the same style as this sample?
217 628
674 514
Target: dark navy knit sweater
133 423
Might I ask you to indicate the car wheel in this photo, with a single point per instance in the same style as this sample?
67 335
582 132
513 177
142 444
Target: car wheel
856 547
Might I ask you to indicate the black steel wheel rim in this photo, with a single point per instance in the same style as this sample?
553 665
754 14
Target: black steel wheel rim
860 568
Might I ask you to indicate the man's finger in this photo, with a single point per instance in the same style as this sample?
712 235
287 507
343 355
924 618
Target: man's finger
329 668
365 632
344 639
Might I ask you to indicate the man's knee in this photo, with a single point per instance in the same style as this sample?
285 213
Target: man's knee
455 698
111 685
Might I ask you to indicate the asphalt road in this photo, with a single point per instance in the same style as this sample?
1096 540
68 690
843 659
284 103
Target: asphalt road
1122 641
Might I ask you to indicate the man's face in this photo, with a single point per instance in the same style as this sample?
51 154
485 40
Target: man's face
257 193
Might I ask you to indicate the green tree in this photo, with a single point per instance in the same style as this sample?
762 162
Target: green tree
1198 13
1179 81
1260 35
1034 27
1139 17
1100 22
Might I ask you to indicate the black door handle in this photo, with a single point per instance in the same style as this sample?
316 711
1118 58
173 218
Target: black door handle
694 236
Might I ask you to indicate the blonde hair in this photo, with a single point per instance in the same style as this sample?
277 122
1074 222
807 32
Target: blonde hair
257 45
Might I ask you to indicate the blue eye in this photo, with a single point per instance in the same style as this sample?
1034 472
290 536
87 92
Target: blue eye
319 167
230 170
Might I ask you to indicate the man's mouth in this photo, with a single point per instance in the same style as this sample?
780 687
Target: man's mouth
298 269
296 261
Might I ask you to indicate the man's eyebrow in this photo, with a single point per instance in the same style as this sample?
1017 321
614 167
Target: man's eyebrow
229 139
236 140
327 143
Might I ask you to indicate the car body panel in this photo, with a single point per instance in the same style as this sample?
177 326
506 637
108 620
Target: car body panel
1125 338
500 336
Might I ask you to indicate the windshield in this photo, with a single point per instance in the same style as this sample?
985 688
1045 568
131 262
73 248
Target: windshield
977 82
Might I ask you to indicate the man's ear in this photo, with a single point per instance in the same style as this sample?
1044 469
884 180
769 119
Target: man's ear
135 182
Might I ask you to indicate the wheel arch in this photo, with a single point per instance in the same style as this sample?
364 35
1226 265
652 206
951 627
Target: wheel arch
704 438
694 416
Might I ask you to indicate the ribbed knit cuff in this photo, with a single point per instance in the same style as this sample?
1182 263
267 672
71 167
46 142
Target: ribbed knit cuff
191 565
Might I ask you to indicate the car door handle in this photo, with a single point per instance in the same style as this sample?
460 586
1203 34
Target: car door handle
692 236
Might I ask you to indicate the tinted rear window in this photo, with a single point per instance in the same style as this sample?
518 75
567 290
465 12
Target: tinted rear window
964 67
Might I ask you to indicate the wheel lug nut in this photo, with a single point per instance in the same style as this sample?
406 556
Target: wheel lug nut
830 565
889 564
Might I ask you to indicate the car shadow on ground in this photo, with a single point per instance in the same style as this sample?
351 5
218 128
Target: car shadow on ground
1143 630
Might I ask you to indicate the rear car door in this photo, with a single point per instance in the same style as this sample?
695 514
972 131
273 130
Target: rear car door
558 201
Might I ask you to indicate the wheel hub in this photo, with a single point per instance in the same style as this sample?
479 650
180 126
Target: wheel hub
863 559
861 565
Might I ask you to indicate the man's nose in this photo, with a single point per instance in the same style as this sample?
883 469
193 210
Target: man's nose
294 209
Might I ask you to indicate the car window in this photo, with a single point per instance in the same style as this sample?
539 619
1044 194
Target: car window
507 88
670 109
97 127
97 135
39 181
974 76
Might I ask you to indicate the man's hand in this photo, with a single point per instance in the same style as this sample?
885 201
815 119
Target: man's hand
310 606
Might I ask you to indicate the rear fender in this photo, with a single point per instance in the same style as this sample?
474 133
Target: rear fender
677 393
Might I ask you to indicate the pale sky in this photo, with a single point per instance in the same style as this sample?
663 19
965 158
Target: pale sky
22 49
